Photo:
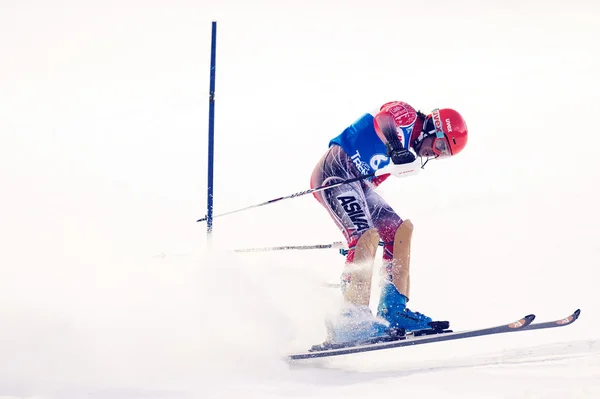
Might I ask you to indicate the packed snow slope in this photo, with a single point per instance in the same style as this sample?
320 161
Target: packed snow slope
110 289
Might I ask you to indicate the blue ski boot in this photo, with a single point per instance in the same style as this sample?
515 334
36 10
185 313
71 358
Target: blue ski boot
392 308
354 326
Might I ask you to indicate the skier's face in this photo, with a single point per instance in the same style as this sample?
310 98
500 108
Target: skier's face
434 147
426 150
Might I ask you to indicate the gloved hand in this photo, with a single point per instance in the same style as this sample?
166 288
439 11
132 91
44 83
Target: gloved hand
401 156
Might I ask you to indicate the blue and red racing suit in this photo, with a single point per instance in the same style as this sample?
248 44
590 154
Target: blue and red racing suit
358 151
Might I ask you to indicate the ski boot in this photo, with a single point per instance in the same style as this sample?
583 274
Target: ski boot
357 325
392 308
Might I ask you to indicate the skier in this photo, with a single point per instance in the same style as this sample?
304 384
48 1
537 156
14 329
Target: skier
387 141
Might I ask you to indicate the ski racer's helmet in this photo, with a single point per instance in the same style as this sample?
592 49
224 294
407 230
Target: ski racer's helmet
450 131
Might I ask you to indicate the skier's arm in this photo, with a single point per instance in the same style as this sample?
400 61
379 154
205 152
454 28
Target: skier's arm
385 124
404 162
392 124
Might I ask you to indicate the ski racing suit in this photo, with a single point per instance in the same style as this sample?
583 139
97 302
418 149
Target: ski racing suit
356 207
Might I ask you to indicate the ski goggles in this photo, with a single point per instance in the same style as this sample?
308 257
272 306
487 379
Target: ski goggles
440 145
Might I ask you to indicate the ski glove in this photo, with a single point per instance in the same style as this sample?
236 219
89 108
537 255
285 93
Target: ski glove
400 156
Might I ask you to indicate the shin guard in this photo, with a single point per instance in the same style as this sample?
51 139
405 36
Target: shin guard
399 269
357 276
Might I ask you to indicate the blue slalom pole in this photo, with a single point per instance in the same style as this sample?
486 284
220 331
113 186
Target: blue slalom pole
211 130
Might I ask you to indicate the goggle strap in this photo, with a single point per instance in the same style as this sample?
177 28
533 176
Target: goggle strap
438 132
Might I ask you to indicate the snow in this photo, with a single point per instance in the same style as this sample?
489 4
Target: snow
108 287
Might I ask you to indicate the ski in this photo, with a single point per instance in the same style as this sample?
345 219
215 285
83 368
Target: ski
523 324
556 323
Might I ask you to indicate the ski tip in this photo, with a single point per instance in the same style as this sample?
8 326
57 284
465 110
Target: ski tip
575 315
524 322
570 319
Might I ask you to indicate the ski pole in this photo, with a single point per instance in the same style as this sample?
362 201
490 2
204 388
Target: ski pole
337 244
301 193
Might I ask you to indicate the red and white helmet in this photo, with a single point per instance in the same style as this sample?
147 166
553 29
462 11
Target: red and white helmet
450 130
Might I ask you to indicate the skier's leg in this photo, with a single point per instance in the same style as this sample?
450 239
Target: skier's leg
395 282
395 234
347 206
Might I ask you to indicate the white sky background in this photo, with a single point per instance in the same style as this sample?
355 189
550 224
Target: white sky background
103 120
